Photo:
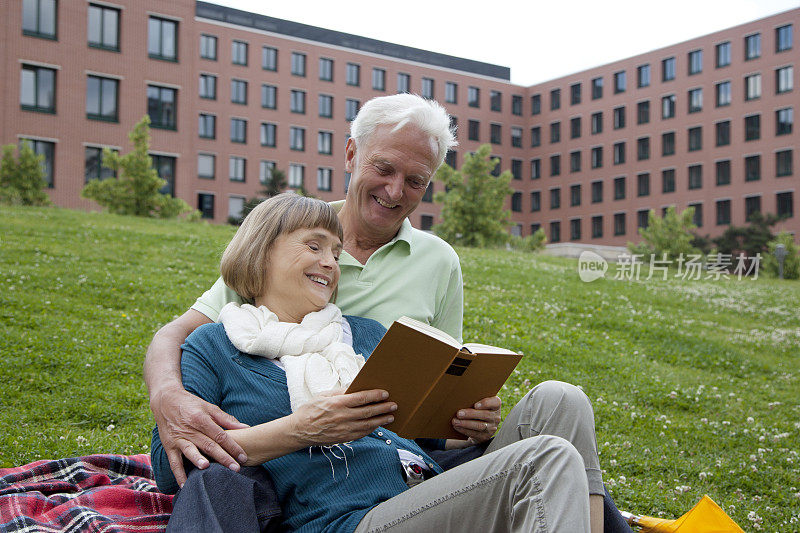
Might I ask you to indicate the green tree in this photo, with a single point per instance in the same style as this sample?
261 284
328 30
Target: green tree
273 187
135 190
671 234
751 239
22 178
472 205
530 243
791 264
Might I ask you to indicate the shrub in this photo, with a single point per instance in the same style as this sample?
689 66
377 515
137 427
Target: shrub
671 235
22 178
791 265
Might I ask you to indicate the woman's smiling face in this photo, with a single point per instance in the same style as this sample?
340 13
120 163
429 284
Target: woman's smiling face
302 273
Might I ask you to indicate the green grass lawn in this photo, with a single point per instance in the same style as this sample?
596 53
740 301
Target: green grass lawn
695 384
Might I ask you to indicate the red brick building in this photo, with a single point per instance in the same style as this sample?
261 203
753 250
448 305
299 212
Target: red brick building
231 94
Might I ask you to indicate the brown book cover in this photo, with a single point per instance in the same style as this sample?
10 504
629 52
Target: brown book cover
431 376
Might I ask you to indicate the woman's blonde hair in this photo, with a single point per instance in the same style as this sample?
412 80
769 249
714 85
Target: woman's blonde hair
244 262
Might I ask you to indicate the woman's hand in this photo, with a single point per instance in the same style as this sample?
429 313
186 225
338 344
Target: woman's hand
335 417
479 424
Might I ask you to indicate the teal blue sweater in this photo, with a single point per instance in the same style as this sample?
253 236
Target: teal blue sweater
318 492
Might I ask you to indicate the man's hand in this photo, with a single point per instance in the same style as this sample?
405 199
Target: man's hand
334 417
479 424
188 426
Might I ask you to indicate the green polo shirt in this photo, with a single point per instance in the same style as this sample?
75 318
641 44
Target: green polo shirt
416 274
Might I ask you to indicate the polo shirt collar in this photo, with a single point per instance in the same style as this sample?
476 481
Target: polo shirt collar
405 234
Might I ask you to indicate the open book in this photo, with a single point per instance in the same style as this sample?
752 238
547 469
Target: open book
431 376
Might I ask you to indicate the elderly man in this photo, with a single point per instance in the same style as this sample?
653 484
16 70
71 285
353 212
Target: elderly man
388 269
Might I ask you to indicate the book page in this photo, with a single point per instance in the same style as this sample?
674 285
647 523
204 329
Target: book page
429 330
475 347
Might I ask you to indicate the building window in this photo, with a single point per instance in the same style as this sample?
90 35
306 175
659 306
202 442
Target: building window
325 106
473 97
265 169
205 204
495 133
783 163
643 184
784 80
695 138
536 104
619 153
516 105
643 76
269 134
555 198
752 205
783 38
239 52
473 130
668 143
723 90
324 178
325 69
642 217
297 138
575 229
752 168
206 166
555 165
426 222
723 171
695 62
536 169
668 106
404 84
269 96
536 136
450 159
575 94
752 87
575 195
351 109
516 202
325 142
162 39
695 177
536 201
555 99
620 82
239 92
238 130
495 100
450 92
597 192
642 148
597 88
516 137
39 18
752 46
668 69
297 103
597 226
619 188
208 47
597 157
103 27
723 212
575 127
555 231
785 204
296 175
165 167
516 169
353 74
723 54
298 64
752 127
619 224
668 180
207 126
555 132
93 166
235 207
695 100
162 107
37 90
269 58
428 196
597 123
575 161
208 86
101 98
378 79
619 117
643 112
723 132
697 218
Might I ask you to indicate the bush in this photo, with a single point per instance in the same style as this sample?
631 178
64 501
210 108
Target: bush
791 265
531 243
671 235
22 178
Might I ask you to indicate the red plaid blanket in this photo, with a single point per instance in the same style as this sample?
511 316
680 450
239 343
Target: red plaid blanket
108 493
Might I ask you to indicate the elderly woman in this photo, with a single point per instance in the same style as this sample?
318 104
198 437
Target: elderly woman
280 365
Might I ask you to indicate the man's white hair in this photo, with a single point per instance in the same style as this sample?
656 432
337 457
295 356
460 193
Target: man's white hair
399 110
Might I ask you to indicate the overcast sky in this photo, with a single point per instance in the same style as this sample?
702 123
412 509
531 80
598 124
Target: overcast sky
540 40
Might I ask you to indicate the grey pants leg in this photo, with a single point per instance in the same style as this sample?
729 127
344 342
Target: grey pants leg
536 484
560 409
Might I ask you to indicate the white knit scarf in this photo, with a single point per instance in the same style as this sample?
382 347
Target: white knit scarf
312 352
